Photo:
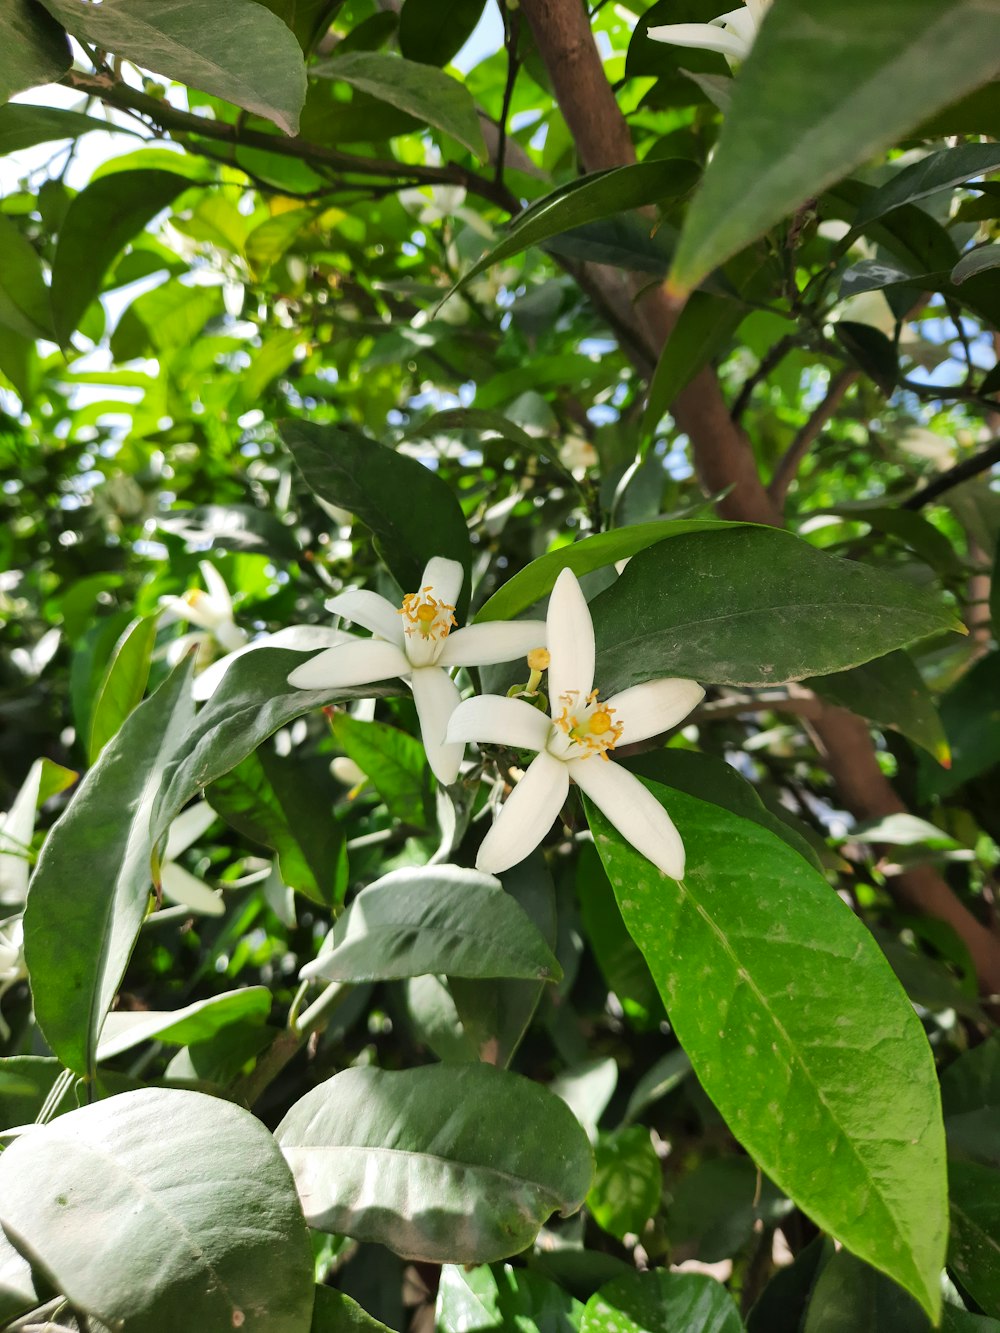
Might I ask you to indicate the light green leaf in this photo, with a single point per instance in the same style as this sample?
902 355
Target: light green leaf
393 761
435 919
100 221
628 1180
216 1249
503 1298
412 513
34 50
787 1008
661 1302
91 888
751 606
124 682
454 1189
703 327
24 298
245 55
199 1021
891 692
826 87
431 96
536 580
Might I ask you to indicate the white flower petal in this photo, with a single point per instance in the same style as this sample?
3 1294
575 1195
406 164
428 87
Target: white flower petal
527 815
305 638
703 36
217 590
198 611
635 812
360 662
570 640
187 828
178 648
646 710
181 887
375 613
758 8
493 641
15 839
230 636
436 697
445 578
741 24
493 720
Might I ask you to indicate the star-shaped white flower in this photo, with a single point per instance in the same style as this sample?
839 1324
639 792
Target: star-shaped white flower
415 642
731 34
576 743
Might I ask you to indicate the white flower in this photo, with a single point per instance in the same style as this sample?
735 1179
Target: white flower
576 743
415 642
16 829
12 967
730 34
178 884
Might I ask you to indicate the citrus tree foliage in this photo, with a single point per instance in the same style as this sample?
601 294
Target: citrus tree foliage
498 677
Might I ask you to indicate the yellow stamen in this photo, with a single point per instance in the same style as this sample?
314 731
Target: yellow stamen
591 726
432 618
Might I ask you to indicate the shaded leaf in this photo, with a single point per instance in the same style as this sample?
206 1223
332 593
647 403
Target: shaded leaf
974 1250
703 327
34 49
335 1312
432 31
980 260
196 1022
851 1297
124 682
24 298
936 171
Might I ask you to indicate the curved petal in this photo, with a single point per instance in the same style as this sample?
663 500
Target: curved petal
758 8
436 697
198 611
493 641
360 662
217 589
372 611
16 829
646 710
187 828
305 638
704 36
445 578
493 720
739 22
527 815
635 812
570 640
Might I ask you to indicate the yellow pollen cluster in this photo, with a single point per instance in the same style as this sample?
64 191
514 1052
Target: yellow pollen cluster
538 659
193 596
432 618
591 725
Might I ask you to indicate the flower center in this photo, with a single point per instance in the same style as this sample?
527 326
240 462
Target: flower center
588 723
425 615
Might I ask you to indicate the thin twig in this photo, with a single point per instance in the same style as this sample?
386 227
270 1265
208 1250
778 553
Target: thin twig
769 361
511 35
792 458
968 467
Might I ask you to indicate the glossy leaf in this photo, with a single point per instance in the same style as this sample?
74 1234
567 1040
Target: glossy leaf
703 327
454 1190
661 1302
435 919
751 606
429 95
245 55
100 221
502 1298
433 31
412 514
891 692
92 884
34 50
980 260
124 682
628 1180
196 1022
786 1008
936 171
393 761
849 79
220 1248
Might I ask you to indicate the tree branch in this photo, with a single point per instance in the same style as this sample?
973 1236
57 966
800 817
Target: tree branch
791 460
968 467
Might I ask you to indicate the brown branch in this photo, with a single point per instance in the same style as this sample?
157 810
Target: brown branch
791 460
968 467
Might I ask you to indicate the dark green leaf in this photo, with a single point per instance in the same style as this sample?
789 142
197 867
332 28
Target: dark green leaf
393 761
34 50
851 1297
23 125
628 1179
873 352
459 1189
661 1302
432 31
970 712
973 1080
334 1312
245 55
24 298
622 965
124 683
91 888
891 692
715 1207
435 919
786 1007
216 1249
936 171
411 512
704 326
974 1251
99 222
751 606
431 96
849 79
980 260
781 1306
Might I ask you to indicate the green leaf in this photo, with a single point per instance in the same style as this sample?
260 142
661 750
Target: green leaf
936 171
787 1008
34 51
287 805
100 221
872 351
432 31
716 1206
826 87
91 887
252 703
124 683
393 761
454 1185
622 965
781 1305
216 1249
24 297
412 513
703 327
536 580
334 1312
891 692
628 1180
602 194
970 712
431 96
974 1252
751 606
661 1302
196 1022
435 919
503 1298
23 125
245 55
980 260
851 1297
